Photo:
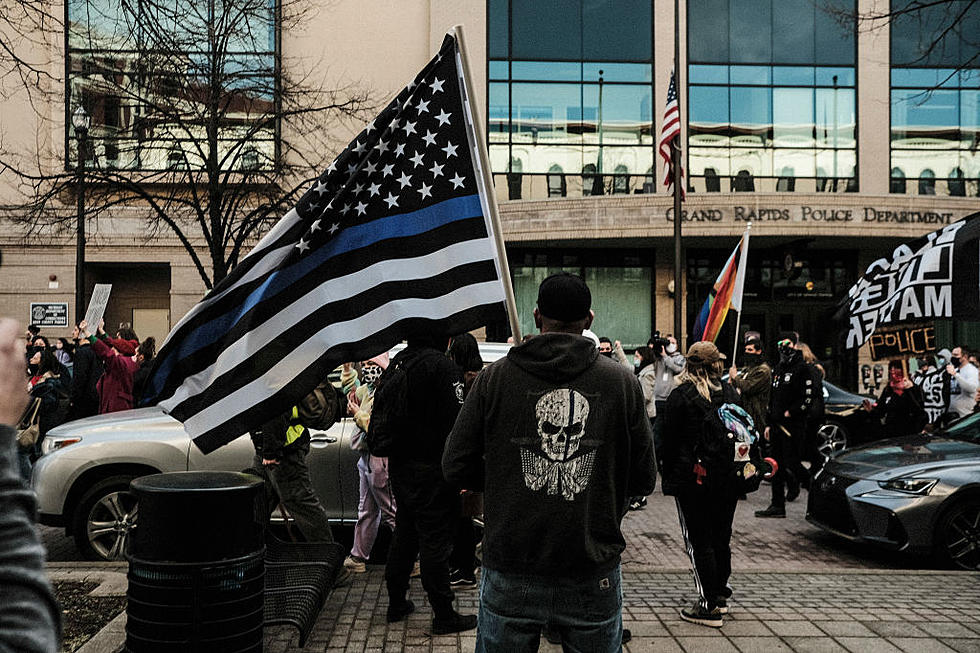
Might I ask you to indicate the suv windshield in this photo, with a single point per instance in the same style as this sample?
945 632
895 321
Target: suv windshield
967 429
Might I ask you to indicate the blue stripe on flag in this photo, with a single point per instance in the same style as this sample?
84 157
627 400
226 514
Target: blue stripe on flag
350 239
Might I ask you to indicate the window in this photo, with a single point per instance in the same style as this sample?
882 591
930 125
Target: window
150 73
771 95
898 181
570 84
556 182
935 98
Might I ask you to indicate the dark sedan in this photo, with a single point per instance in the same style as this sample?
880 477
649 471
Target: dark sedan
918 493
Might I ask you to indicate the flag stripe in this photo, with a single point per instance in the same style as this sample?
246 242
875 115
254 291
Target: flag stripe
188 409
246 416
337 298
363 244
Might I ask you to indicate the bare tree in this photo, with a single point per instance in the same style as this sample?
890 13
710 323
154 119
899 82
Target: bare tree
26 27
197 122
947 32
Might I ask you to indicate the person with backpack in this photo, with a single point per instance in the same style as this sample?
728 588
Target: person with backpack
375 503
415 405
700 452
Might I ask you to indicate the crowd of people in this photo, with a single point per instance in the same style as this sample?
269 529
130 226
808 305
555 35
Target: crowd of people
88 374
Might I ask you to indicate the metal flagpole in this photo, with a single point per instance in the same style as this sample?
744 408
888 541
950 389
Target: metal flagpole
676 162
743 262
478 147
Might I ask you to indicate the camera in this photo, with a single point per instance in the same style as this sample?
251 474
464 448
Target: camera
658 342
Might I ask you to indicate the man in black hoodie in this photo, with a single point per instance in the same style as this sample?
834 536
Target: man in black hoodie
558 439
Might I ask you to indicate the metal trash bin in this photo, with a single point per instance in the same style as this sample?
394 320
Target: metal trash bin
196 564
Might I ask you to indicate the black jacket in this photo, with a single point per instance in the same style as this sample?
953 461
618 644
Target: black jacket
683 417
903 414
86 372
793 388
558 439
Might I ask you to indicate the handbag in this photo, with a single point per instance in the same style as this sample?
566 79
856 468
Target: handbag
28 429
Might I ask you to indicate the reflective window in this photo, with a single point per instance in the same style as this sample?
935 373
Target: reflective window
571 89
771 96
149 73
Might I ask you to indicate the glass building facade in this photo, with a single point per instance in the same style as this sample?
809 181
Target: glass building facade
570 96
157 77
771 96
935 100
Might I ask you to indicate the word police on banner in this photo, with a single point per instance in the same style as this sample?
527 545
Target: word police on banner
903 342
914 284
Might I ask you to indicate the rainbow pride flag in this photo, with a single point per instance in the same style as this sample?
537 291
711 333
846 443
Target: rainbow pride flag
726 294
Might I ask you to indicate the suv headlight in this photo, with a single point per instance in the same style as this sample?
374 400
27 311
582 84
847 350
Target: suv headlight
909 485
54 443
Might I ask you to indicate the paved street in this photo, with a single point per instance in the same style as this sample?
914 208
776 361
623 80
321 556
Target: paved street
796 589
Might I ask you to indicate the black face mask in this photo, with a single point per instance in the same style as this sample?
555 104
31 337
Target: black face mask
955 361
607 354
789 355
753 359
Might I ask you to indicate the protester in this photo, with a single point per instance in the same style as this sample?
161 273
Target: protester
86 372
706 507
789 404
646 373
810 446
668 363
753 382
52 386
427 504
145 354
119 357
615 351
30 618
465 352
964 383
63 352
901 404
558 438
375 503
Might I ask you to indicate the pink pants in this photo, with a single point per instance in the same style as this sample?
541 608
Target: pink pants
376 503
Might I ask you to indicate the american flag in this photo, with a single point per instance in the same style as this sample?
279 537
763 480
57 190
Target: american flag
671 128
392 240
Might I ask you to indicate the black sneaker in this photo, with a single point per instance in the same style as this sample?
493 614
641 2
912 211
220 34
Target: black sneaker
459 580
721 605
456 623
400 611
771 511
698 615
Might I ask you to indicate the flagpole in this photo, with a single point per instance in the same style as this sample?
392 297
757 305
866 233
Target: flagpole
479 149
743 262
676 159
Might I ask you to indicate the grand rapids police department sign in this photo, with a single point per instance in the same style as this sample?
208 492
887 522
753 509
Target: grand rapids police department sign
935 276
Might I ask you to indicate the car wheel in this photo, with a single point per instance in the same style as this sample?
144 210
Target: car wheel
831 438
105 518
958 535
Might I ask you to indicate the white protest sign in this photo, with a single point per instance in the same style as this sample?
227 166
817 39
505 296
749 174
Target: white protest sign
96 305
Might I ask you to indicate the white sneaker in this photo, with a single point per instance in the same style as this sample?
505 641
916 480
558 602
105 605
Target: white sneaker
354 565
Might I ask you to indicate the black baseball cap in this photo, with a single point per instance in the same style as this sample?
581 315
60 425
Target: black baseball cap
564 297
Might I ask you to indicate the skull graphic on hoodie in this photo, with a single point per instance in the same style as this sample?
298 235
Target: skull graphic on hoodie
559 465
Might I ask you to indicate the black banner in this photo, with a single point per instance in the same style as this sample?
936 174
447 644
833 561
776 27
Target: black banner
889 343
935 387
935 276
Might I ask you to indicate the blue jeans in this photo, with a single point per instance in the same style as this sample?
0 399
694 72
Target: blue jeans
586 611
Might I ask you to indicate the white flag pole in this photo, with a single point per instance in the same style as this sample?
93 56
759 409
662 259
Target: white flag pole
743 263
485 181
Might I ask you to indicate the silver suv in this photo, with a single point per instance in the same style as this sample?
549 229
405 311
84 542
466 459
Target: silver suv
82 478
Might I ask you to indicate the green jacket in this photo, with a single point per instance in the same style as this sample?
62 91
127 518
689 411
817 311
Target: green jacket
754 384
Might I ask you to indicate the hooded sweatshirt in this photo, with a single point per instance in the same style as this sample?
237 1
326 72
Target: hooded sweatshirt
558 439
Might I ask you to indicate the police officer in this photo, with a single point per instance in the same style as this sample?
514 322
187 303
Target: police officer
792 395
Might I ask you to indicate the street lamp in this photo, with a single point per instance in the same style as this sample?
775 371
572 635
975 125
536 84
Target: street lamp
80 121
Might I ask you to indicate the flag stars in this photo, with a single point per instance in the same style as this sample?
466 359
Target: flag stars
387 170
359 146
436 170
361 208
443 117
425 190
405 180
422 106
320 187
358 189
457 181
314 226
370 167
450 150
436 85
370 128
346 209
352 170
408 127
382 145
333 228
429 138
417 159
391 200
374 189
302 245
333 166
400 149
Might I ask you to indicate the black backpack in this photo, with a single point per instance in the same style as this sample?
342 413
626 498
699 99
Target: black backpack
727 448
320 409
390 410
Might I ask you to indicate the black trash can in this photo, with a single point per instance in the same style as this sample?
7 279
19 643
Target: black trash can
196 564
